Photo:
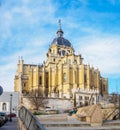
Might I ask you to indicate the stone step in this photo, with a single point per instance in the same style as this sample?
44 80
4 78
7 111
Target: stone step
112 123
65 125
84 128
52 118
60 120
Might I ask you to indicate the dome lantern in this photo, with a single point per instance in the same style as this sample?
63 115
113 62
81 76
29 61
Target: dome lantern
59 32
60 40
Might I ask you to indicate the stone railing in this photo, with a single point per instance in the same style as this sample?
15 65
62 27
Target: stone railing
89 91
28 121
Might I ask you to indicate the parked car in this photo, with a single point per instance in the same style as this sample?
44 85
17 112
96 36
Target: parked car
12 115
1 121
4 116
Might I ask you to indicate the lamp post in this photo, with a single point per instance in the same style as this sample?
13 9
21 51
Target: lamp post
11 106
119 107
74 99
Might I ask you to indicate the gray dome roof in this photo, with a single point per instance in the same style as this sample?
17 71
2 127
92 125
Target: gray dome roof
61 41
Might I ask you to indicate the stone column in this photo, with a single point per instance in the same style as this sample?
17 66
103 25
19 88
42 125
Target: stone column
49 83
98 80
61 81
88 77
82 85
68 82
43 82
20 90
37 78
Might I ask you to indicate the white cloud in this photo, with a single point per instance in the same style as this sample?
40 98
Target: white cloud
8 69
24 29
25 15
5 25
7 72
102 52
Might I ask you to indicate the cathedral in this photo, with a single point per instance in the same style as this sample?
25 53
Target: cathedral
63 75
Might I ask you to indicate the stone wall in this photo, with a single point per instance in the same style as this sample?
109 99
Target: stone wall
63 104
52 103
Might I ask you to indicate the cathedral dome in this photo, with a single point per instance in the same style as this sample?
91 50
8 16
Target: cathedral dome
60 40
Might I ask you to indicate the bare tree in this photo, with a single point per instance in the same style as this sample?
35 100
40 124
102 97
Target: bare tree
114 98
38 100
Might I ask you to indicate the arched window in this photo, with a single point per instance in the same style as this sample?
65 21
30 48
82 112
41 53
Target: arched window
40 80
80 97
69 61
86 103
75 77
47 78
104 87
53 51
24 85
53 59
4 106
85 78
64 77
75 61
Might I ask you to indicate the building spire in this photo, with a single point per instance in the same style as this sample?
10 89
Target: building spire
59 23
59 32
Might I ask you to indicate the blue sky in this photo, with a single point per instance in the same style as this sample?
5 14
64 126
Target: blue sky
27 28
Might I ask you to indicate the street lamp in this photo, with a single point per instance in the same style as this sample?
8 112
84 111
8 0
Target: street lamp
119 107
11 106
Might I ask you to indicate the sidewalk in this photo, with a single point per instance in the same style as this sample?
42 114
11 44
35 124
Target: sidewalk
11 125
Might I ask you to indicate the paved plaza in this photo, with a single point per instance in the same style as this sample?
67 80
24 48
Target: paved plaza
64 122
11 125
71 124
84 128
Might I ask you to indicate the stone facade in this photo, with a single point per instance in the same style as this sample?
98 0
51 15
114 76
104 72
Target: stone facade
63 75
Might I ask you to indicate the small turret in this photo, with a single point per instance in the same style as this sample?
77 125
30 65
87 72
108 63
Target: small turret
20 64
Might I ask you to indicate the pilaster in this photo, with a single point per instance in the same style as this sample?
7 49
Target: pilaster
82 77
88 77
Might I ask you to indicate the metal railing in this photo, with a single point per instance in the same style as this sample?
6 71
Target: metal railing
113 113
29 121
